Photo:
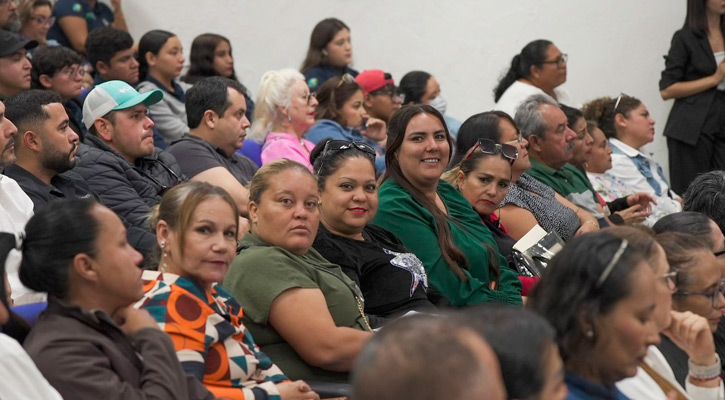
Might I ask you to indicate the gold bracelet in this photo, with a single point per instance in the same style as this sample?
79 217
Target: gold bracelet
593 223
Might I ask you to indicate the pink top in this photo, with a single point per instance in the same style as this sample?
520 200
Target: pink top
287 145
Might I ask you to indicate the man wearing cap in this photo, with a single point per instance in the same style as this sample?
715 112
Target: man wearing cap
215 109
118 158
45 148
14 65
381 95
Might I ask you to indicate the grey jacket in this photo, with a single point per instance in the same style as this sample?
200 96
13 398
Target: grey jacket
129 190
85 355
169 114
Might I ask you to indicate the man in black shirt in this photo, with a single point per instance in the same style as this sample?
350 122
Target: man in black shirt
215 109
45 148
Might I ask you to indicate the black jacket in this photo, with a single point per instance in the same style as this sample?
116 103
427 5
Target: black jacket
129 190
690 58
66 185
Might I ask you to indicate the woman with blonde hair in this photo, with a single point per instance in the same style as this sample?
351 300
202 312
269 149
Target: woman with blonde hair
284 110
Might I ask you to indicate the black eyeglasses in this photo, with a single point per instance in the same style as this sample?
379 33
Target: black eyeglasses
714 295
342 145
389 90
560 61
488 146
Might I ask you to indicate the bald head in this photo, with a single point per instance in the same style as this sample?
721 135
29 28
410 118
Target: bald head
427 357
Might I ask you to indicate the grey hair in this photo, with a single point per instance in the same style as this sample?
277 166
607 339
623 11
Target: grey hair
706 195
274 92
529 118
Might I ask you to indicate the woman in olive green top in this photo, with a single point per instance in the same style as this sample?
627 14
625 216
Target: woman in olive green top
432 218
303 311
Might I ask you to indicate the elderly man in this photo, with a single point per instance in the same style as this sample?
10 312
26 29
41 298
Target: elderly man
45 148
405 360
118 158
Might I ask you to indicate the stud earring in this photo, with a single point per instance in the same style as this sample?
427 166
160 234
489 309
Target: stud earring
590 334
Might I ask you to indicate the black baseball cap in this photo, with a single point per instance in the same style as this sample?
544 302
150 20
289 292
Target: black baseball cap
10 43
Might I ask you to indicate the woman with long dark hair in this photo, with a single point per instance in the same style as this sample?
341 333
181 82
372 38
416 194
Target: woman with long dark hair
329 54
432 218
694 76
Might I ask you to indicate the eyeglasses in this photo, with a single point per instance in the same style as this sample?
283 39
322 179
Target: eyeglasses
714 295
308 97
345 78
560 61
44 20
389 90
342 145
670 280
612 263
68 71
488 146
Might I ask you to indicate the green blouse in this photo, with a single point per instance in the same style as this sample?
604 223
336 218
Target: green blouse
261 272
415 226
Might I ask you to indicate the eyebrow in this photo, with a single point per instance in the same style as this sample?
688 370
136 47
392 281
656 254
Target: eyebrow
64 122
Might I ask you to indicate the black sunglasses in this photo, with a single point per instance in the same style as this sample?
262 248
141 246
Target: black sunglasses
488 146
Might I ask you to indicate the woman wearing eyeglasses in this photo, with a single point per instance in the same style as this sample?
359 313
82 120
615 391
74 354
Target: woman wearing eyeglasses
628 126
284 111
599 295
36 18
694 76
654 379
341 115
431 217
700 288
528 201
392 279
539 69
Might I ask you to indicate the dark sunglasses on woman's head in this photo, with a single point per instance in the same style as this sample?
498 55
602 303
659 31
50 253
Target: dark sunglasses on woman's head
342 145
488 146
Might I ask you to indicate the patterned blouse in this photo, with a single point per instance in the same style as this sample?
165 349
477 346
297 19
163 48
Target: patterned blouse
211 342
540 200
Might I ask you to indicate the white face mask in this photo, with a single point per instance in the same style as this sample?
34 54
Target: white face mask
440 104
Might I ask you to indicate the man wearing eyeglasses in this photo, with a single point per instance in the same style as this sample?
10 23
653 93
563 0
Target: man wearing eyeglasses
45 148
59 69
381 97
14 65
118 158
215 110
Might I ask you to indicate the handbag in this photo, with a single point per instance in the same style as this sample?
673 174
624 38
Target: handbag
532 253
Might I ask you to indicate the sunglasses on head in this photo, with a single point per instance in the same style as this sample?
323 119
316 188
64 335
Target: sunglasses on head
488 146
342 145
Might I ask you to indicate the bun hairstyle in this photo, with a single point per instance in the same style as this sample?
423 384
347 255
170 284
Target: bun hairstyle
602 112
413 86
332 96
532 54
264 176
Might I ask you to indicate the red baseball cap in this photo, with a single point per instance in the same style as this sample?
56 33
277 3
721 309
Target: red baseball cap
373 79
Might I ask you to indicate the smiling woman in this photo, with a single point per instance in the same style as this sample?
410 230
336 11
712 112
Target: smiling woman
433 220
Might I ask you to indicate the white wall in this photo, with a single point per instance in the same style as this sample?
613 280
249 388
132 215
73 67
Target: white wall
614 46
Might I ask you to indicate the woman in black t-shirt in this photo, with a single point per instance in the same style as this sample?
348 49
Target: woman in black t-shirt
392 279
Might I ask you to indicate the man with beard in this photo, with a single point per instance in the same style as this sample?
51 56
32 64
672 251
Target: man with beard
45 148
9 20
119 161
215 109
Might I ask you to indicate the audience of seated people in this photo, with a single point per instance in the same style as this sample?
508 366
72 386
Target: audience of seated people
433 220
118 159
329 53
325 251
341 115
420 87
391 278
380 95
304 312
284 111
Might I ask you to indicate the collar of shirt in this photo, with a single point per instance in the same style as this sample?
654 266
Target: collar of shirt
178 91
628 150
